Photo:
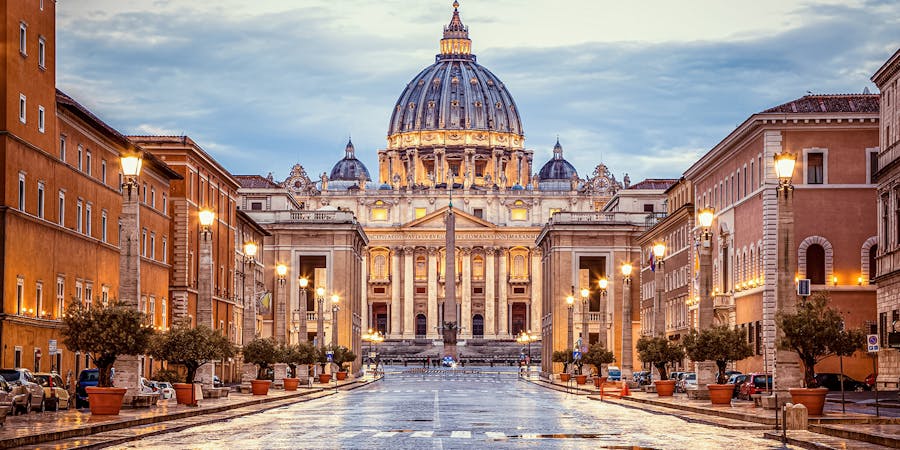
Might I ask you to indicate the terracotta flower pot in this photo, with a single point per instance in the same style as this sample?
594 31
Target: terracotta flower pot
341 375
324 377
813 399
665 388
184 394
720 394
105 401
260 387
564 377
290 384
599 381
581 379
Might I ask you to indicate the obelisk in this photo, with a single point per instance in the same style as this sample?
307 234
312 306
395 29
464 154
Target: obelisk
450 325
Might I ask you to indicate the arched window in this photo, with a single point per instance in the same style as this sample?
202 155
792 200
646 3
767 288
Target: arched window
518 266
379 267
421 268
478 326
815 264
421 326
478 268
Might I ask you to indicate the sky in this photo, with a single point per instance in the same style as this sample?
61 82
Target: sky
646 87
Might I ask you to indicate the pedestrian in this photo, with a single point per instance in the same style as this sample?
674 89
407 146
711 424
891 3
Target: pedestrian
112 375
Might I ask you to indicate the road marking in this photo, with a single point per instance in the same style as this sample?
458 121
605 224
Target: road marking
422 434
529 436
348 434
495 435
461 434
384 434
437 415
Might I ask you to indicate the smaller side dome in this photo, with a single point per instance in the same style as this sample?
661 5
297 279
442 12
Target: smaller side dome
557 168
349 168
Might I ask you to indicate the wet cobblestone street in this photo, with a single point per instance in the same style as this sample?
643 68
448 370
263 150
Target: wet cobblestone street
453 412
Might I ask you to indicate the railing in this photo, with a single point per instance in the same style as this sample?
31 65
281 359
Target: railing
310 316
595 316
654 218
723 301
304 216
888 155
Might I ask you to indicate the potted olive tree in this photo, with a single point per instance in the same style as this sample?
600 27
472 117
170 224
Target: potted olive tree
723 345
190 348
295 355
105 332
815 331
660 352
342 355
264 353
564 357
597 355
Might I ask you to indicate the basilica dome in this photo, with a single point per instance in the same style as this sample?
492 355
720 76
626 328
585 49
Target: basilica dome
557 173
349 168
455 93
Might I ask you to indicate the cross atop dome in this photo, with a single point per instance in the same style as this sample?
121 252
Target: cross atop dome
349 151
456 42
557 150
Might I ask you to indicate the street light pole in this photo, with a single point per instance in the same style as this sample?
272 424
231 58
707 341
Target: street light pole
570 302
585 306
301 310
659 316
787 364
626 323
320 319
706 370
603 284
334 319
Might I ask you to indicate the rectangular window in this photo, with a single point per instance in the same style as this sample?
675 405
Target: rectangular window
89 294
103 226
478 212
23 107
144 194
873 165
165 249
759 169
22 192
20 295
153 197
144 242
518 214
80 156
62 148
41 119
79 292
165 203
88 162
60 297
752 176
420 212
78 216
23 39
39 300
40 200
153 246
88 220
648 207
17 360
256 206
379 214
103 171
815 168
104 295
152 312
42 47
61 208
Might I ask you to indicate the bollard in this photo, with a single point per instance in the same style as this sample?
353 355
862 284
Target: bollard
796 417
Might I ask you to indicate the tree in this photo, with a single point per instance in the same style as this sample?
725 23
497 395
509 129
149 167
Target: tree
295 355
597 355
816 332
263 352
564 357
105 332
340 356
191 347
721 344
659 352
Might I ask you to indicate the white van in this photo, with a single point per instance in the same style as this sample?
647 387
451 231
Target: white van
615 374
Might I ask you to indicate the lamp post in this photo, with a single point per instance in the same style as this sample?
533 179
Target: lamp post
626 322
570 302
603 284
585 306
301 311
334 318
205 285
129 261
706 370
525 338
372 337
787 364
250 250
320 324
659 316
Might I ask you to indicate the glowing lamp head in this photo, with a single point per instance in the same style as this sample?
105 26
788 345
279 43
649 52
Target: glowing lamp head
570 300
585 293
784 166
335 299
131 164
320 291
659 249
304 282
626 269
603 283
207 217
705 217
250 249
281 270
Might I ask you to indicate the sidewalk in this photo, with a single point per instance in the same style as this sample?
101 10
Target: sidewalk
833 430
67 429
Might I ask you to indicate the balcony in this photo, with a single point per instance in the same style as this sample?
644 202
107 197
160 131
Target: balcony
595 316
723 302
304 216
310 316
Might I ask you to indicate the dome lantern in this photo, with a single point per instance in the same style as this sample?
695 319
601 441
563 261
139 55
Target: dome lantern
456 43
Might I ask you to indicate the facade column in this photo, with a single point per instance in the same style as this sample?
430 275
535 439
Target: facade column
366 313
394 306
536 279
788 372
659 313
466 307
490 316
205 299
706 370
439 169
503 306
432 319
408 290
128 367
627 329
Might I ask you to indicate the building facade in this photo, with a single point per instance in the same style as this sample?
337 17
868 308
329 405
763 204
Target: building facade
887 261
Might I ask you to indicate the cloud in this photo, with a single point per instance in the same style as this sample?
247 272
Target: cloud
262 85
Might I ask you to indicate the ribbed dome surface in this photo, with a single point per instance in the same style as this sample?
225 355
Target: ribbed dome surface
557 168
349 168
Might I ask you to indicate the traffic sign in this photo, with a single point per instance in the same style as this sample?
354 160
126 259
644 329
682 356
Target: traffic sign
52 346
330 356
576 354
872 343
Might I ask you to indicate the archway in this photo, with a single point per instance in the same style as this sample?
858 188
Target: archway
519 316
421 327
478 326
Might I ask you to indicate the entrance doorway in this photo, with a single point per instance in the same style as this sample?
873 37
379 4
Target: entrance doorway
380 317
421 327
478 326
519 318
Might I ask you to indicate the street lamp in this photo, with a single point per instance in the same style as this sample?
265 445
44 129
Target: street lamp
526 338
787 364
570 302
131 168
207 217
585 306
281 271
603 284
301 310
334 318
626 321
372 337
659 318
320 324
706 315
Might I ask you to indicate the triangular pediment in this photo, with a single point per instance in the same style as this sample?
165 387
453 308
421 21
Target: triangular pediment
436 220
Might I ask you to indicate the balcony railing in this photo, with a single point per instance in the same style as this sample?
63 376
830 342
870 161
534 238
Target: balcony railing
595 316
304 216
723 301
310 316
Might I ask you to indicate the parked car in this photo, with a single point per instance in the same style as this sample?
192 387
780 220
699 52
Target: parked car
614 373
641 378
675 376
87 378
27 394
729 373
756 383
737 380
832 381
6 400
166 391
687 380
57 396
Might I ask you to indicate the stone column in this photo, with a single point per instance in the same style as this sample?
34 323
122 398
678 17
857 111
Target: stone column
408 292
303 331
503 306
787 373
432 320
205 299
659 314
706 370
366 319
490 316
128 366
627 329
466 307
536 287
396 324
279 325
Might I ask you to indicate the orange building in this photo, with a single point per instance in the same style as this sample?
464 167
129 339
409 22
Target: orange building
834 138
